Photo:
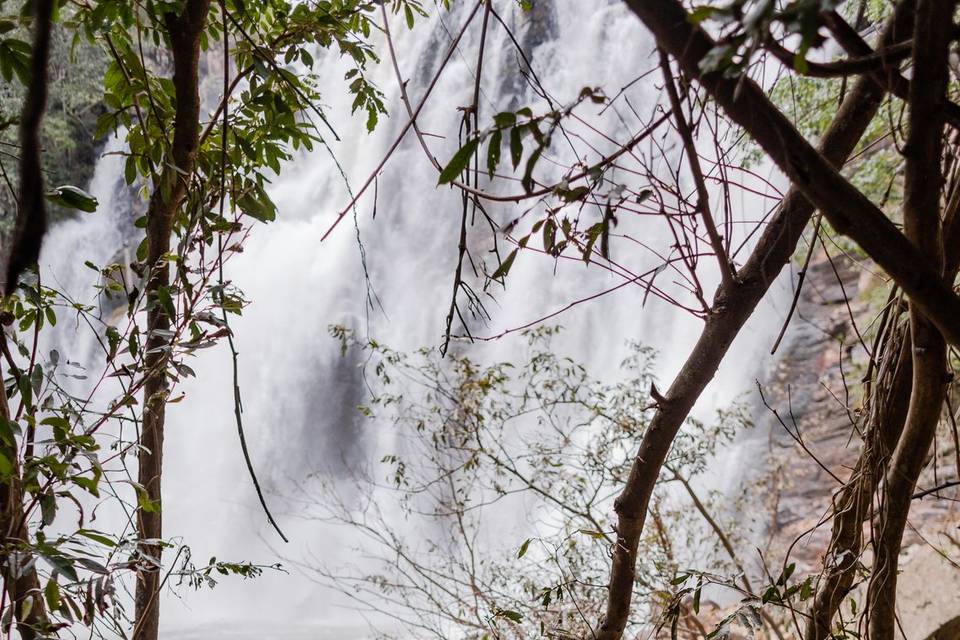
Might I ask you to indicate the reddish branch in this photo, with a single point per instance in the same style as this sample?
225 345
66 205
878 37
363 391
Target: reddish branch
703 196
183 31
847 209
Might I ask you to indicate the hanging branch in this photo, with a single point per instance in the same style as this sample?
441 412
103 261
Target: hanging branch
237 401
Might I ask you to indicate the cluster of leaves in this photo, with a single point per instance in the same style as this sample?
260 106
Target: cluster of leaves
62 470
527 138
747 614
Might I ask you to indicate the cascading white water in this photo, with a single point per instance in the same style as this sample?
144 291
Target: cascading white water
299 393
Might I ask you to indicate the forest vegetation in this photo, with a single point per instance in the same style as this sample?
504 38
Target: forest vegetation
797 143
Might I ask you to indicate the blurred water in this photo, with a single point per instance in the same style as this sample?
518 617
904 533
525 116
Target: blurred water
299 393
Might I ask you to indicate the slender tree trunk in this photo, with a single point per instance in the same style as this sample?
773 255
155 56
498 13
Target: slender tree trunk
31 222
921 217
184 32
20 575
19 572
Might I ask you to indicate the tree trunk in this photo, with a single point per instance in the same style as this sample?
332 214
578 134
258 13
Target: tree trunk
921 217
184 33
889 401
733 306
20 584
20 574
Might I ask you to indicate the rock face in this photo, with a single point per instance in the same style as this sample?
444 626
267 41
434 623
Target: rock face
812 443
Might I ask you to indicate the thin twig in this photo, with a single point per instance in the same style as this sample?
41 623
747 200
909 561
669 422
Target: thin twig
237 401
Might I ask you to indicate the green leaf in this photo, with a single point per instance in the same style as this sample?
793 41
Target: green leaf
505 119
786 573
527 180
549 235
516 146
459 161
504 267
512 616
8 431
62 565
523 548
699 14
48 508
52 594
6 467
96 536
72 198
259 208
493 152
572 195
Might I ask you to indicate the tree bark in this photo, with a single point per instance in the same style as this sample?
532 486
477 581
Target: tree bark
889 402
733 306
20 574
921 216
183 31
31 222
21 584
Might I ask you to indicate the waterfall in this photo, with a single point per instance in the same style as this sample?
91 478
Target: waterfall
298 392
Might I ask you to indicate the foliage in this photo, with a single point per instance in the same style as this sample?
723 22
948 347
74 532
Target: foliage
74 105
522 458
73 421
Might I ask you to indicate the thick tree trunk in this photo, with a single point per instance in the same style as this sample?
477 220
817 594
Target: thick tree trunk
734 305
184 33
921 216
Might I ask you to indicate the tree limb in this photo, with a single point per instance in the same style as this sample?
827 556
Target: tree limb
846 208
921 215
733 306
